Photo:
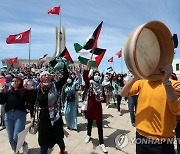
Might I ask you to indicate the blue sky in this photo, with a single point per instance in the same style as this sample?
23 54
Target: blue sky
80 18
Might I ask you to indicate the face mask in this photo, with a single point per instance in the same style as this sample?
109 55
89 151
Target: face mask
119 78
46 84
69 81
73 76
12 84
96 78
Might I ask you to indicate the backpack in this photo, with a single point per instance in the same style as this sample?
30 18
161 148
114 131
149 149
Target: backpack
70 96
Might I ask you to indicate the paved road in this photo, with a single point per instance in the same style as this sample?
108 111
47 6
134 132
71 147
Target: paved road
114 125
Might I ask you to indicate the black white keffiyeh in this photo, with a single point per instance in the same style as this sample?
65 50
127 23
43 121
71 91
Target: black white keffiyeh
53 104
95 88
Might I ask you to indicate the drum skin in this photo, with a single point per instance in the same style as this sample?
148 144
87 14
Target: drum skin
148 49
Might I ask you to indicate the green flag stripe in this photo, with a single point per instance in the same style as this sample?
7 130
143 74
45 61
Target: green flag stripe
84 61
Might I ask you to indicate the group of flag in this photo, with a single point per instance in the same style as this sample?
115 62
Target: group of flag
88 51
118 54
24 37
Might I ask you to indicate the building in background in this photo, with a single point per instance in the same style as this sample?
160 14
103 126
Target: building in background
176 67
19 63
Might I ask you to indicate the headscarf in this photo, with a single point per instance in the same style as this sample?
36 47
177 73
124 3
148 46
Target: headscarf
43 83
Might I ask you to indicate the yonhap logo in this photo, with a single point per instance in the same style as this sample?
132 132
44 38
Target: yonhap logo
121 141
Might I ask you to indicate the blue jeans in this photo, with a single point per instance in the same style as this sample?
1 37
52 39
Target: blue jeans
15 121
132 102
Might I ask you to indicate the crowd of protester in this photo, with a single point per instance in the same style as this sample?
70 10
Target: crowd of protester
57 91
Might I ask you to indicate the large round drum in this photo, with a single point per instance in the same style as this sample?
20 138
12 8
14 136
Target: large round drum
148 49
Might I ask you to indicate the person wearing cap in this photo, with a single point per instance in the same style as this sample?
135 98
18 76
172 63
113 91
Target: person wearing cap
157 107
50 130
15 111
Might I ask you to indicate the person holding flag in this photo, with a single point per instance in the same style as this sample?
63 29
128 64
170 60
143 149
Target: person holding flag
70 100
50 131
94 109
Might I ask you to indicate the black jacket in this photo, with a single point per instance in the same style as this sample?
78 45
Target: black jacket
14 99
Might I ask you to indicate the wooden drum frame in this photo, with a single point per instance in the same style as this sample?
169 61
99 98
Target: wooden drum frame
148 49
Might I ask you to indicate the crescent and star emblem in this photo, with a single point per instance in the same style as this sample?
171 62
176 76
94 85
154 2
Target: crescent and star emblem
18 37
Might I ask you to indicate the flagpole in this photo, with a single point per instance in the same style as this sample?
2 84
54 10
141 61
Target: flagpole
60 16
121 62
91 55
113 63
60 28
29 47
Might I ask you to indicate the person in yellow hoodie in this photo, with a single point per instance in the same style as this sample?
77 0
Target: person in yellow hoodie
157 107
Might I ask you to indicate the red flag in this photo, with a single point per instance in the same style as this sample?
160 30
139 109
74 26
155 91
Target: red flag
54 10
3 81
110 60
99 57
21 66
12 60
19 38
119 53
65 54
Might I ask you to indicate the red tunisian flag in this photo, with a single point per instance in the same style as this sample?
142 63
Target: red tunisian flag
110 60
12 60
3 81
19 38
119 53
54 10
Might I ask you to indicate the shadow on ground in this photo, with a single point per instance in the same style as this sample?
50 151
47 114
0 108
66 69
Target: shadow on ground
110 140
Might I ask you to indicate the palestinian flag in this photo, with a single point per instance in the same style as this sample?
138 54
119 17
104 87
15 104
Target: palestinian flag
53 62
57 63
63 57
91 42
66 55
97 56
110 70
